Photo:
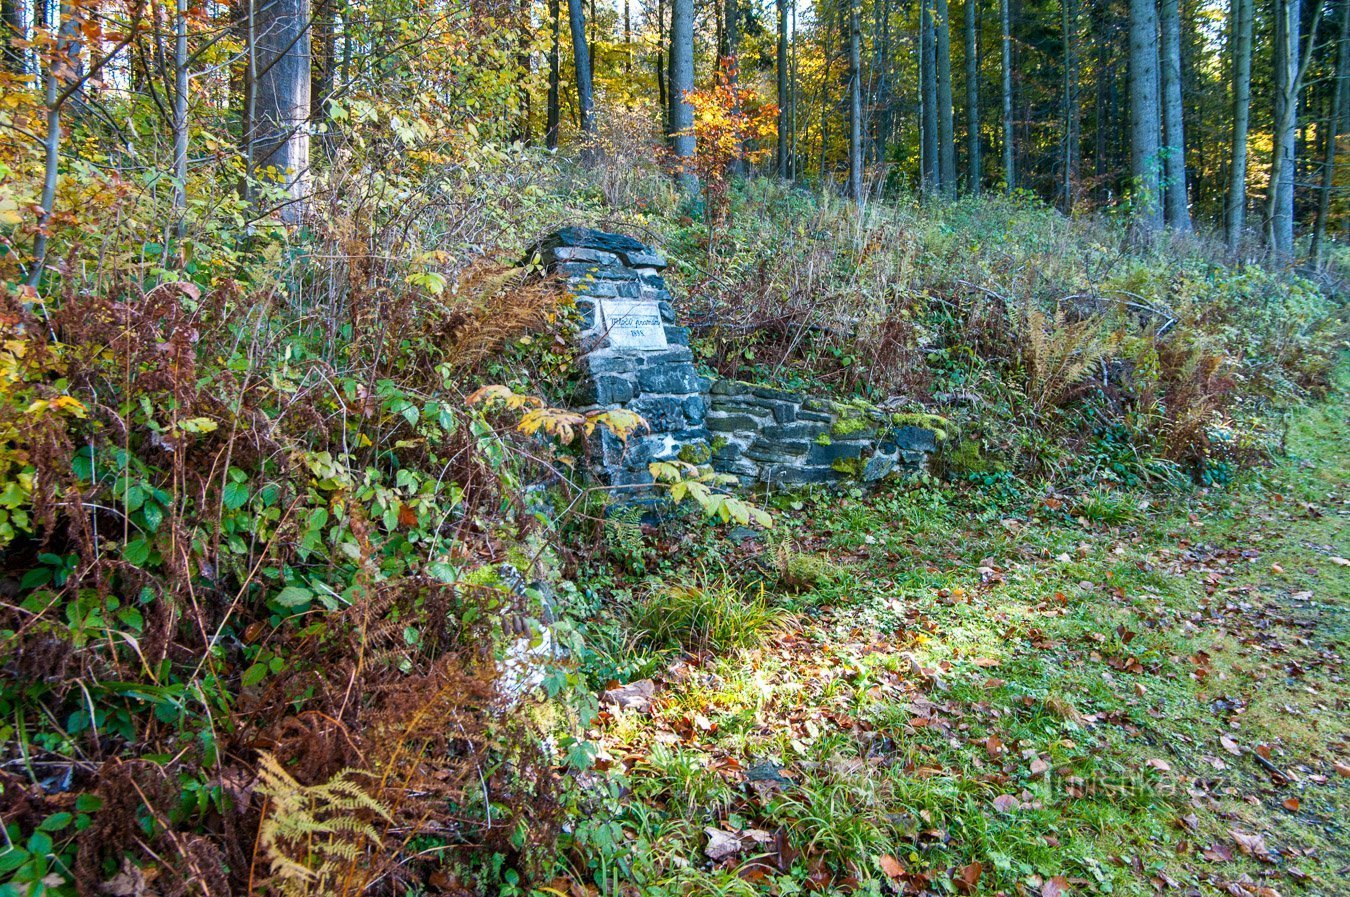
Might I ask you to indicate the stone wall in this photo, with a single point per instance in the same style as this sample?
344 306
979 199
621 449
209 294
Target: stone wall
635 356
764 435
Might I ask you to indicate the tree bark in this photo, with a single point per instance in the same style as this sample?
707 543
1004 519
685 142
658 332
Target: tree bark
581 59
855 148
180 118
1289 70
972 102
931 176
281 124
554 76
1333 131
1067 21
1144 126
12 26
1009 172
946 135
1235 218
1174 150
782 70
681 82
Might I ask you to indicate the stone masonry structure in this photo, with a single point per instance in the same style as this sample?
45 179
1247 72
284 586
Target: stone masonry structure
634 355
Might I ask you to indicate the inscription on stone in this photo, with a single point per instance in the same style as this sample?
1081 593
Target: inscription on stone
632 324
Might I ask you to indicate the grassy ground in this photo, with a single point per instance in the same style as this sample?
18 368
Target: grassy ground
978 693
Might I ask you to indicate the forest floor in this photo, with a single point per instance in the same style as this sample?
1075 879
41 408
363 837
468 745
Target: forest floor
1024 694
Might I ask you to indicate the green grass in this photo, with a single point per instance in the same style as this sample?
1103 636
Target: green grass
1036 689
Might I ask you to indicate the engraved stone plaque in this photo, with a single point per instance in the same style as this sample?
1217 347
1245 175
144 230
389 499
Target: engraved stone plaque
632 324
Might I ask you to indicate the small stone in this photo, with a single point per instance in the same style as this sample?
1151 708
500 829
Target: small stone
877 467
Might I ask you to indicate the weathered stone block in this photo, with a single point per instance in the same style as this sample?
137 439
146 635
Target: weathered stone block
722 422
778 395
877 467
611 362
778 451
662 413
667 313
677 336
804 413
581 254
802 429
680 378
729 388
607 389
790 475
835 451
671 355
584 272
915 439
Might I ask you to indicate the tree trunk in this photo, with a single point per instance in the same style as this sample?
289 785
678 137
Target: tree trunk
946 135
972 102
782 67
324 50
1009 172
12 25
681 82
1174 151
662 90
554 76
1144 126
281 124
1235 218
581 59
931 178
1070 105
1333 130
1289 70
180 119
525 30
855 149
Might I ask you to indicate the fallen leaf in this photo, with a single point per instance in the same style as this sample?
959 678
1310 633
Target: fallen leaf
1291 804
1039 766
635 695
1006 803
1160 765
1055 887
891 866
1343 769
968 876
721 844
1230 746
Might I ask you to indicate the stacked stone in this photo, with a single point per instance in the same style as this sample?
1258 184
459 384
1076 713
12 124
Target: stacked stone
633 355
764 435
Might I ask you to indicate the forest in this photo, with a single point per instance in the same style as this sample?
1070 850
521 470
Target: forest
674 447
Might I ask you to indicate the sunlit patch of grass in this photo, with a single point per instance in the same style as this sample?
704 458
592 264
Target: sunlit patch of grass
712 615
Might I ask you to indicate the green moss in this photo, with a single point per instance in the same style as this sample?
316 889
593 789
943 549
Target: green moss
824 439
935 422
695 454
852 467
849 425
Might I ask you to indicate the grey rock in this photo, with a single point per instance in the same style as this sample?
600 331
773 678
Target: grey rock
581 254
667 312
729 388
679 378
607 389
802 429
792 475
611 362
877 467
672 355
805 413
722 422
677 336
585 272
835 451
777 451
915 439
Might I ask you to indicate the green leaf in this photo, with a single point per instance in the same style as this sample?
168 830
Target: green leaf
56 822
235 495
293 597
254 674
136 552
